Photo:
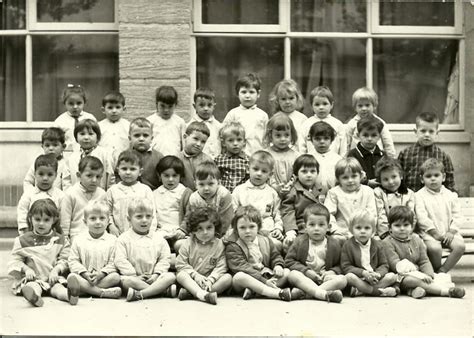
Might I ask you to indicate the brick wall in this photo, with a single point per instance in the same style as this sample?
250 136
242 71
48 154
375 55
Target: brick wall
154 50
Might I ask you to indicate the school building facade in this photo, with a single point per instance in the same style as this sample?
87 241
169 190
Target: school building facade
418 56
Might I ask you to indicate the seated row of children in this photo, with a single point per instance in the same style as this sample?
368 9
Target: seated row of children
317 264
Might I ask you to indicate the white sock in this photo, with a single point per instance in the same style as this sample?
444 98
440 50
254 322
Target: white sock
444 292
270 292
201 294
319 293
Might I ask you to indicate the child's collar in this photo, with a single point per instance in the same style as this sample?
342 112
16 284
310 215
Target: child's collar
249 108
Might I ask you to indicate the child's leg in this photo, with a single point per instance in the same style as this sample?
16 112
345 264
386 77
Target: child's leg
222 284
241 280
433 289
304 283
388 280
334 282
434 251
278 244
283 280
98 290
159 286
362 286
177 245
109 281
32 292
133 282
457 246
59 291
186 281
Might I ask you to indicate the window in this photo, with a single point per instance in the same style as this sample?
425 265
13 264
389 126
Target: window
45 45
409 52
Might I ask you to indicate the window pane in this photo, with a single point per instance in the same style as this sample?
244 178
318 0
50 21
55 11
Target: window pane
412 76
12 79
87 60
328 16
12 14
243 12
417 13
336 63
221 60
75 11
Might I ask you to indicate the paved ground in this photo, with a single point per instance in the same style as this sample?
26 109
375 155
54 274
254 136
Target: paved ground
401 316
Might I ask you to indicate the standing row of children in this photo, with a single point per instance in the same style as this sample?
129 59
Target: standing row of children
261 181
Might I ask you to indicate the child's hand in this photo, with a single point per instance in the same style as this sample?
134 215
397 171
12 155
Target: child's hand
289 237
207 285
427 279
278 271
276 233
99 277
88 277
448 238
313 276
200 280
373 183
53 277
285 188
30 274
271 283
369 277
113 230
180 234
152 278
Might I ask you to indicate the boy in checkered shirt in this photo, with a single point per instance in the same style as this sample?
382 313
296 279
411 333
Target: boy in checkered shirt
411 158
233 163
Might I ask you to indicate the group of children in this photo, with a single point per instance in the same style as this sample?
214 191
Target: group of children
288 207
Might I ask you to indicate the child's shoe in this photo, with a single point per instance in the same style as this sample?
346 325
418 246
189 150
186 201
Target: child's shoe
113 293
417 292
171 291
285 294
133 295
355 292
30 295
184 294
297 294
388 292
456 292
211 298
334 296
73 289
248 294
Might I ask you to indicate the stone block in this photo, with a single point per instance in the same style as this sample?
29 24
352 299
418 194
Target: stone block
152 11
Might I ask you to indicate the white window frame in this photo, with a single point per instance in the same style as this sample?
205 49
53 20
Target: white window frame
33 29
369 35
403 29
199 26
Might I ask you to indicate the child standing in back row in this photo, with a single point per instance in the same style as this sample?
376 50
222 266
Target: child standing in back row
248 114
168 128
286 97
74 99
365 102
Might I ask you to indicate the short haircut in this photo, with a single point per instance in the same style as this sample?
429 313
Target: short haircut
166 94
370 123
250 213
432 164
250 80
72 89
400 213
205 170
316 209
365 93
362 216
129 156
321 91
139 204
114 98
280 122
322 129
429 117
205 93
262 156
202 214
349 163
46 207
198 127
91 162
170 162
140 122
305 161
88 125
285 87
231 128
46 160
387 163
53 134
96 206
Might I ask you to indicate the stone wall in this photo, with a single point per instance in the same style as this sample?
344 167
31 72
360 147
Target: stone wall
469 87
154 50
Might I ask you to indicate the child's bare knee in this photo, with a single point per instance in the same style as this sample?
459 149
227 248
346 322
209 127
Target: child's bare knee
391 277
351 278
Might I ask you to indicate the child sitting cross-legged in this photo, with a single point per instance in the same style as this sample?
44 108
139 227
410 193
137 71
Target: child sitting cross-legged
363 260
39 257
252 257
142 257
314 259
91 260
201 263
406 255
